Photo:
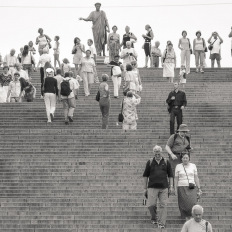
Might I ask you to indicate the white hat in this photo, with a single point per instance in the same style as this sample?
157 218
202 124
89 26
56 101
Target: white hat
48 70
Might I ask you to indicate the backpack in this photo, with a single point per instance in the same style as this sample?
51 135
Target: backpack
29 92
65 88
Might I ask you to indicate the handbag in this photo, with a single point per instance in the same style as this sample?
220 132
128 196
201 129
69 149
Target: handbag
98 96
120 116
191 185
210 47
190 49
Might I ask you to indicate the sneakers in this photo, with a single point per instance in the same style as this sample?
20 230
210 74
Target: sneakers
202 71
197 70
154 222
161 226
70 119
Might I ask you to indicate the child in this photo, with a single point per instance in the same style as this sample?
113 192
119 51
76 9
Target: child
137 76
182 75
56 51
65 67
93 56
30 93
31 48
76 84
156 54
20 55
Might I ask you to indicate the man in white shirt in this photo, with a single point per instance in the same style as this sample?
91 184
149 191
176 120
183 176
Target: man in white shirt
66 92
10 60
215 42
14 89
21 72
197 224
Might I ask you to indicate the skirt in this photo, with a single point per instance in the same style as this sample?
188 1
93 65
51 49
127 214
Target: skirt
187 198
169 70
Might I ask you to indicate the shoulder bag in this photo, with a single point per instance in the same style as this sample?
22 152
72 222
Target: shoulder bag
210 47
191 185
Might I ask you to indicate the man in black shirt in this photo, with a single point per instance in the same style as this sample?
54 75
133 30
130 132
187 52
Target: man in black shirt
50 94
129 36
176 103
158 170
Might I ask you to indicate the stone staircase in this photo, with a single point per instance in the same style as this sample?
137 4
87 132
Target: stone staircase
61 178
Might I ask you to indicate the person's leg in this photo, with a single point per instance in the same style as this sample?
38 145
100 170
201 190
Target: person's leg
76 69
172 122
72 106
90 77
103 49
133 126
105 107
146 61
202 57
12 99
218 58
119 83
115 84
187 55
152 203
163 200
179 118
212 57
55 61
157 62
53 104
85 83
182 57
41 77
197 56
58 59
65 107
47 105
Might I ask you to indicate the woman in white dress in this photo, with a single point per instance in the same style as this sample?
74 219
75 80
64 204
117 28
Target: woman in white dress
169 62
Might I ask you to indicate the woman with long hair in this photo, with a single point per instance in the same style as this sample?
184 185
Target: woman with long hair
27 60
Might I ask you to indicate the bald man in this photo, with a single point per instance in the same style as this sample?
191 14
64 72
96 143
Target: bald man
197 224
10 60
127 37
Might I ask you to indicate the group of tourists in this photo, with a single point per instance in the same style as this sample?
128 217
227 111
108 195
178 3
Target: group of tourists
176 175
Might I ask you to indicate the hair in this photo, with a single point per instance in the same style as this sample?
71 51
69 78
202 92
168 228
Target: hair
70 74
185 153
30 42
128 67
25 50
66 74
105 77
5 67
114 26
127 27
129 94
197 207
65 60
97 3
88 51
128 42
90 40
157 148
16 73
12 50
198 32
148 26
75 40
176 82
58 37
116 56
58 71
40 29
184 32
157 42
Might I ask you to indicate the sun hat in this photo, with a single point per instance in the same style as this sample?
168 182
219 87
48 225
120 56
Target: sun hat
97 3
183 127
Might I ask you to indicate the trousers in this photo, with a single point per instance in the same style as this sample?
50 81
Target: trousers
69 107
185 59
175 113
50 104
199 55
104 104
117 84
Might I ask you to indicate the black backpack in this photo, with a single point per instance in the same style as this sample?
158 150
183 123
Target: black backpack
65 88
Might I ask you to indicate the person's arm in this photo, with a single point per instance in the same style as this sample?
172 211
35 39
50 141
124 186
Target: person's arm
145 181
55 85
170 98
135 54
176 183
107 24
221 40
83 48
179 45
169 151
209 40
194 41
230 35
175 59
139 78
132 36
123 54
8 95
37 40
79 69
152 35
95 58
90 18
48 38
34 95
184 101
38 64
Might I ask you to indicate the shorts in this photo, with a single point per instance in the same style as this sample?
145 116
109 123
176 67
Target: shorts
147 49
216 56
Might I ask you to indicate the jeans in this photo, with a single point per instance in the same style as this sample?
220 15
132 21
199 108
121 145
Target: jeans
50 103
175 113
104 104
185 58
153 195
117 83
199 55
69 107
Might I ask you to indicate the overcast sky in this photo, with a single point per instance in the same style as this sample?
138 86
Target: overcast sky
20 24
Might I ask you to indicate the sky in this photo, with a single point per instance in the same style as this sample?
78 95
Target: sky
22 18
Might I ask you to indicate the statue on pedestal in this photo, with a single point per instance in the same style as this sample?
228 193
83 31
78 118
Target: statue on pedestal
100 28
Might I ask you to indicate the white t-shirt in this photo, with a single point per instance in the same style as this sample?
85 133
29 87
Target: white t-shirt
193 226
23 74
44 58
191 170
93 51
216 46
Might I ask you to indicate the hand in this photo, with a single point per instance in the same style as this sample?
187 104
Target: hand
80 18
174 157
182 107
143 36
107 30
173 98
172 191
